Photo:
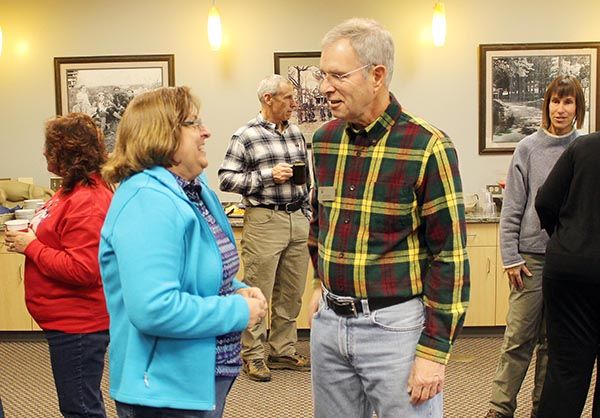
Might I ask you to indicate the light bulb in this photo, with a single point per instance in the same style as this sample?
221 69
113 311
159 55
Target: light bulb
438 24
215 31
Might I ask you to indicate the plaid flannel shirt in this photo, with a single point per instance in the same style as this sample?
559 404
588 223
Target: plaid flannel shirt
394 224
252 153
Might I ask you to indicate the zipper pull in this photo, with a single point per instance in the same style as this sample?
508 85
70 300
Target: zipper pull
146 382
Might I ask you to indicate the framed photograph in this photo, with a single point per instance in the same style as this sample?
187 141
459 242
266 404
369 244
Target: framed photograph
513 79
103 86
313 109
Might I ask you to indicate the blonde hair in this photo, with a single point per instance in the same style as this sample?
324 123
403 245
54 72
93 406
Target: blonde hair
149 132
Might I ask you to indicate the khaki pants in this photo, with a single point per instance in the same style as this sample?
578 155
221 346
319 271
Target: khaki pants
275 257
525 330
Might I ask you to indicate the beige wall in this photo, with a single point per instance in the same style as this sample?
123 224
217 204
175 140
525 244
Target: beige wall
438 84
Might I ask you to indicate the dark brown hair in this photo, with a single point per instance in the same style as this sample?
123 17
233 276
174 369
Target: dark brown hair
74 149
564 85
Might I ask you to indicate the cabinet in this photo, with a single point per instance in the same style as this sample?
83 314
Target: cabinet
482 249
13 313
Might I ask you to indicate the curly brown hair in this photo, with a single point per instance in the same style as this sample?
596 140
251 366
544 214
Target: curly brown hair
74 149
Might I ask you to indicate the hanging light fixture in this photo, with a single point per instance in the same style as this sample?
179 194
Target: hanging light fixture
215 31
438 24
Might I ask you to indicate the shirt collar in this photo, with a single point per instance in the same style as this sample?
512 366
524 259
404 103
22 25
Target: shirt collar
261 120
188 185
371 134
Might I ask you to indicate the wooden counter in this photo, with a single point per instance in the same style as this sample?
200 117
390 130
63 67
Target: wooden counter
489 286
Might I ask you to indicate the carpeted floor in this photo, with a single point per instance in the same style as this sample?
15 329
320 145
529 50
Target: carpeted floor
27 389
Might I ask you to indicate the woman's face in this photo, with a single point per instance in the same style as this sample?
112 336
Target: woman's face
50 165
562 114
190 157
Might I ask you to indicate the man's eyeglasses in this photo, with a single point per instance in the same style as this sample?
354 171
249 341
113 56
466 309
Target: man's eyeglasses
336 79
196 123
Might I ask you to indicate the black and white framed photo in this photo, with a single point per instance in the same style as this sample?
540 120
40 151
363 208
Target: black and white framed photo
512 82
102 86
300 68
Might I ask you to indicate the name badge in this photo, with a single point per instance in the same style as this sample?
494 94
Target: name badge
326 194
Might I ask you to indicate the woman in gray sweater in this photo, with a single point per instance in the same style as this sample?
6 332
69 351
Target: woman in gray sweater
523 244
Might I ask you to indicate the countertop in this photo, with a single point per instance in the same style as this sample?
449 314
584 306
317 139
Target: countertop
480 219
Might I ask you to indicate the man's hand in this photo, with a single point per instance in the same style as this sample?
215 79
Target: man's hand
426 380
313 305
514 275
282 173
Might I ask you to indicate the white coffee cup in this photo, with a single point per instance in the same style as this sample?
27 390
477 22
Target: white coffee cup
24 214
17 225
31 203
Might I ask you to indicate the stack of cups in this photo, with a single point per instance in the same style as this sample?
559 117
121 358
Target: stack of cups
32 203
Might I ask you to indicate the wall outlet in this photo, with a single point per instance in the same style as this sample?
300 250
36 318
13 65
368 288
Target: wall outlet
494 189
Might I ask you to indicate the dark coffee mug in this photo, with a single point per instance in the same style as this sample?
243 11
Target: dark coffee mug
299 173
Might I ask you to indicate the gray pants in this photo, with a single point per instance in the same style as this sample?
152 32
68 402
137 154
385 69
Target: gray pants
275 257
525 331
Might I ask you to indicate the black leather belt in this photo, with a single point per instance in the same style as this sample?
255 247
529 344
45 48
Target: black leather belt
288 207
352 307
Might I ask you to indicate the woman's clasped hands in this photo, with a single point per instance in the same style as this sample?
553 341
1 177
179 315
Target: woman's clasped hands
257 303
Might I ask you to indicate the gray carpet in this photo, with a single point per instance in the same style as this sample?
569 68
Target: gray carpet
27 388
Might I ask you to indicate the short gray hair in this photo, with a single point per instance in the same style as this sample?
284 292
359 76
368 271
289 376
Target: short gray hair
371 41
270 85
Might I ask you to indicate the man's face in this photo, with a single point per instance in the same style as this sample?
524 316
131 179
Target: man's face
352 96
282 103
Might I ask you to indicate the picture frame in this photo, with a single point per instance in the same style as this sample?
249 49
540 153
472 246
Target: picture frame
312 110
513 79
102 86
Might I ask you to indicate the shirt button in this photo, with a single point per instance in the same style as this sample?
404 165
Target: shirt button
352 187
346 221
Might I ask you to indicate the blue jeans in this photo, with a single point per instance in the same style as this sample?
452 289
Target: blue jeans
362 364
222 387
77 365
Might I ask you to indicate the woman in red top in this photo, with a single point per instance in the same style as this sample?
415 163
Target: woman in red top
63 288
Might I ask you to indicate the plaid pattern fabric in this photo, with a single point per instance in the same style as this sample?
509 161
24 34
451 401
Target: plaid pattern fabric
253 151
228 361
396 224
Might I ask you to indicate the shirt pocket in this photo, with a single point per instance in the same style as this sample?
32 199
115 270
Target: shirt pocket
394 207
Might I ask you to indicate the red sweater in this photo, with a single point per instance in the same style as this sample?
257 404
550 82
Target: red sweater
63 288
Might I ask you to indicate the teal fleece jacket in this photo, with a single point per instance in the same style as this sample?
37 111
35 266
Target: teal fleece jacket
162 271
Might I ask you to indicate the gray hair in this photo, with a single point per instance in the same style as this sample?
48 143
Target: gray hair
371 41
270 85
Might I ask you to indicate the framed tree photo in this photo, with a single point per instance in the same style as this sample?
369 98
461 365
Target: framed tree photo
513 79
102 86
313 109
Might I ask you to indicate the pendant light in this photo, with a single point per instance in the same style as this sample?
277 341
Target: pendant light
215 30
438 24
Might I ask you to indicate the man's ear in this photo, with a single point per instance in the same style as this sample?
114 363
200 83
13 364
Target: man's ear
379 75
268 98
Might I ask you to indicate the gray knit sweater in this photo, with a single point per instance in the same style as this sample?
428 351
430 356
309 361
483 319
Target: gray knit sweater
532 161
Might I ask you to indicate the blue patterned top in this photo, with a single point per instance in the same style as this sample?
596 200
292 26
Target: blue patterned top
228 345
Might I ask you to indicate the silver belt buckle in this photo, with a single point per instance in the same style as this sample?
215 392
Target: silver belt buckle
342 302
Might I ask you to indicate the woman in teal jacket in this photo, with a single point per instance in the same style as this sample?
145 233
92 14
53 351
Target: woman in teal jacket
168 263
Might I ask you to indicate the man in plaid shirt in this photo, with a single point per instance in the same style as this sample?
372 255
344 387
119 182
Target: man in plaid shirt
387 240
258 165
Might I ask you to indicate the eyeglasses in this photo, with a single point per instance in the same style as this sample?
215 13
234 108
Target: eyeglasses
196 123
336 79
